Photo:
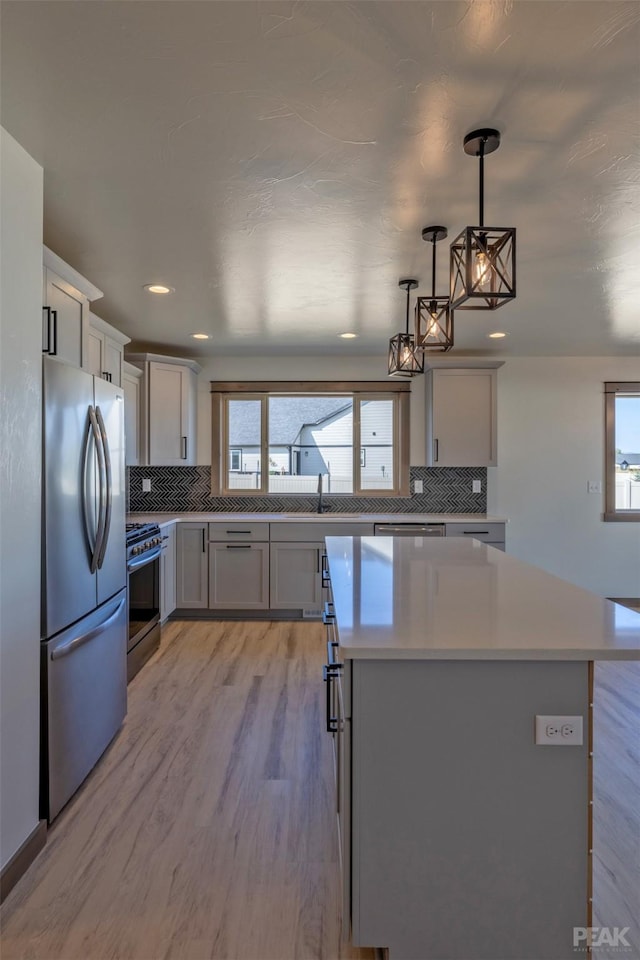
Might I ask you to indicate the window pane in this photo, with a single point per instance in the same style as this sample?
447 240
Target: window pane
244 437
310 436
376 443
627 444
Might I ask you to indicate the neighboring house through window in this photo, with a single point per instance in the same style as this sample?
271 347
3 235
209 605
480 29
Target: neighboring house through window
622 451
277 438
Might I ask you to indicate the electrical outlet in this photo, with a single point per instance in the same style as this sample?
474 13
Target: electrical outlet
146 485
417 486
559 731
476 486
594 486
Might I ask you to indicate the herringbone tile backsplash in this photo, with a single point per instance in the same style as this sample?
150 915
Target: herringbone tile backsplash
188 489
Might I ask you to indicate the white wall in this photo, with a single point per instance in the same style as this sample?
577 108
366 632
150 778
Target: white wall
550 443
20 443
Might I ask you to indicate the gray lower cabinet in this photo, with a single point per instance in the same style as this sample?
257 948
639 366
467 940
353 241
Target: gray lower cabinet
492 533
168 599
296 577
192 566
238 576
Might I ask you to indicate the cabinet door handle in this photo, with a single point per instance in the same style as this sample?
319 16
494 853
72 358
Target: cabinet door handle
474 533
435 451
246 533
203 543
184 448
46 330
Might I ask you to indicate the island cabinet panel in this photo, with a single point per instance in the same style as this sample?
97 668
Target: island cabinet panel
468 840
296 576
238 576
192 566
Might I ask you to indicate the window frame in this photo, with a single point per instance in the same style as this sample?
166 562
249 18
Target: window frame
611 391
358 391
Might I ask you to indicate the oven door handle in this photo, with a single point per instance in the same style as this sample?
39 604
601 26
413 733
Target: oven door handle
143 560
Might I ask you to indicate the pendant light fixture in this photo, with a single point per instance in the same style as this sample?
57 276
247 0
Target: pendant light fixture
404 359
483 259
434 317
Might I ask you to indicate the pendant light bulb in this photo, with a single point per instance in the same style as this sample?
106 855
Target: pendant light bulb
433 317
481 270
432 323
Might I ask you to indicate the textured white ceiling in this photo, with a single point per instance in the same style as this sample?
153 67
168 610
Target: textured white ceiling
276 161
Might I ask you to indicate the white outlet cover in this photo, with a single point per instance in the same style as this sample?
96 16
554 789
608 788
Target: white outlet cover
417 486
558 731
476 486
146 486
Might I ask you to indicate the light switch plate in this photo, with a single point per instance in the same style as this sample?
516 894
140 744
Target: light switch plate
417 486
558 731
146 486
594 486
476 486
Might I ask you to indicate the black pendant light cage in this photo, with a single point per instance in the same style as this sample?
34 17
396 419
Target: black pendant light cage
482 259
434 316
404 359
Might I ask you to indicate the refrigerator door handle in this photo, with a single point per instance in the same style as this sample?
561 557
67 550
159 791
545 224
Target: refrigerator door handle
66 648
101 504
108 486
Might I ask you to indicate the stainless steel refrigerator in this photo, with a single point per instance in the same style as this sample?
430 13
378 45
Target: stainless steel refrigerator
84 599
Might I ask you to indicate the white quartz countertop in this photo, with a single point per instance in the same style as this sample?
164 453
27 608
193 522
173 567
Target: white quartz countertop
456 599
164 518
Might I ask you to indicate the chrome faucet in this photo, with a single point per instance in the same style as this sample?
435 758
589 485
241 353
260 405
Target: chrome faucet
322 508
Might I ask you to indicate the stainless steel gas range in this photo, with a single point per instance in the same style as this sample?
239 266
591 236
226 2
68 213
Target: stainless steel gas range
144 546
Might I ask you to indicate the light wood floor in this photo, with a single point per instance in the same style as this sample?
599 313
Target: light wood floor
616 797
208 829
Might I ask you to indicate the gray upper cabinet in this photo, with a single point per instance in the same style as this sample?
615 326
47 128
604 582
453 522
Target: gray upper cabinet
168 415
461 417
65 320
132 387
105 350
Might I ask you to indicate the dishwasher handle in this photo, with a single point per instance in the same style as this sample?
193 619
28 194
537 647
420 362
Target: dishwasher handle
409 530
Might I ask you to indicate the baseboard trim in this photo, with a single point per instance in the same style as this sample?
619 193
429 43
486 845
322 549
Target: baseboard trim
22 859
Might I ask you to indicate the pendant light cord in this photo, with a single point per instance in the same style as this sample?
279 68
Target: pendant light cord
433 269
482 144
408 297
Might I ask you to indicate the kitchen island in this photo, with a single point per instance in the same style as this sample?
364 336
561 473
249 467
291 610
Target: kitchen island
463 835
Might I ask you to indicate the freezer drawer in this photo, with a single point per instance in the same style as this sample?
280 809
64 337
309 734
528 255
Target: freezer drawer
84 675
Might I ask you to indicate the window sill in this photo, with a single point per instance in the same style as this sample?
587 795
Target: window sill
629 516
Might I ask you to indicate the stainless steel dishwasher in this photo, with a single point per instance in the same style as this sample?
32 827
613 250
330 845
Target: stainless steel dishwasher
409 530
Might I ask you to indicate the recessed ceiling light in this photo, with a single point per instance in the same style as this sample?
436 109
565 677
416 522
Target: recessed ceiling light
496 335
200 336
348 336
158 288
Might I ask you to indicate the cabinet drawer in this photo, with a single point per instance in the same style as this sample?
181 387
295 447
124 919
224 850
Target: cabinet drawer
318 530
487 532
238 530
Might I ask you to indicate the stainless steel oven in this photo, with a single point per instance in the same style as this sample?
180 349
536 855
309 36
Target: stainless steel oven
144 545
